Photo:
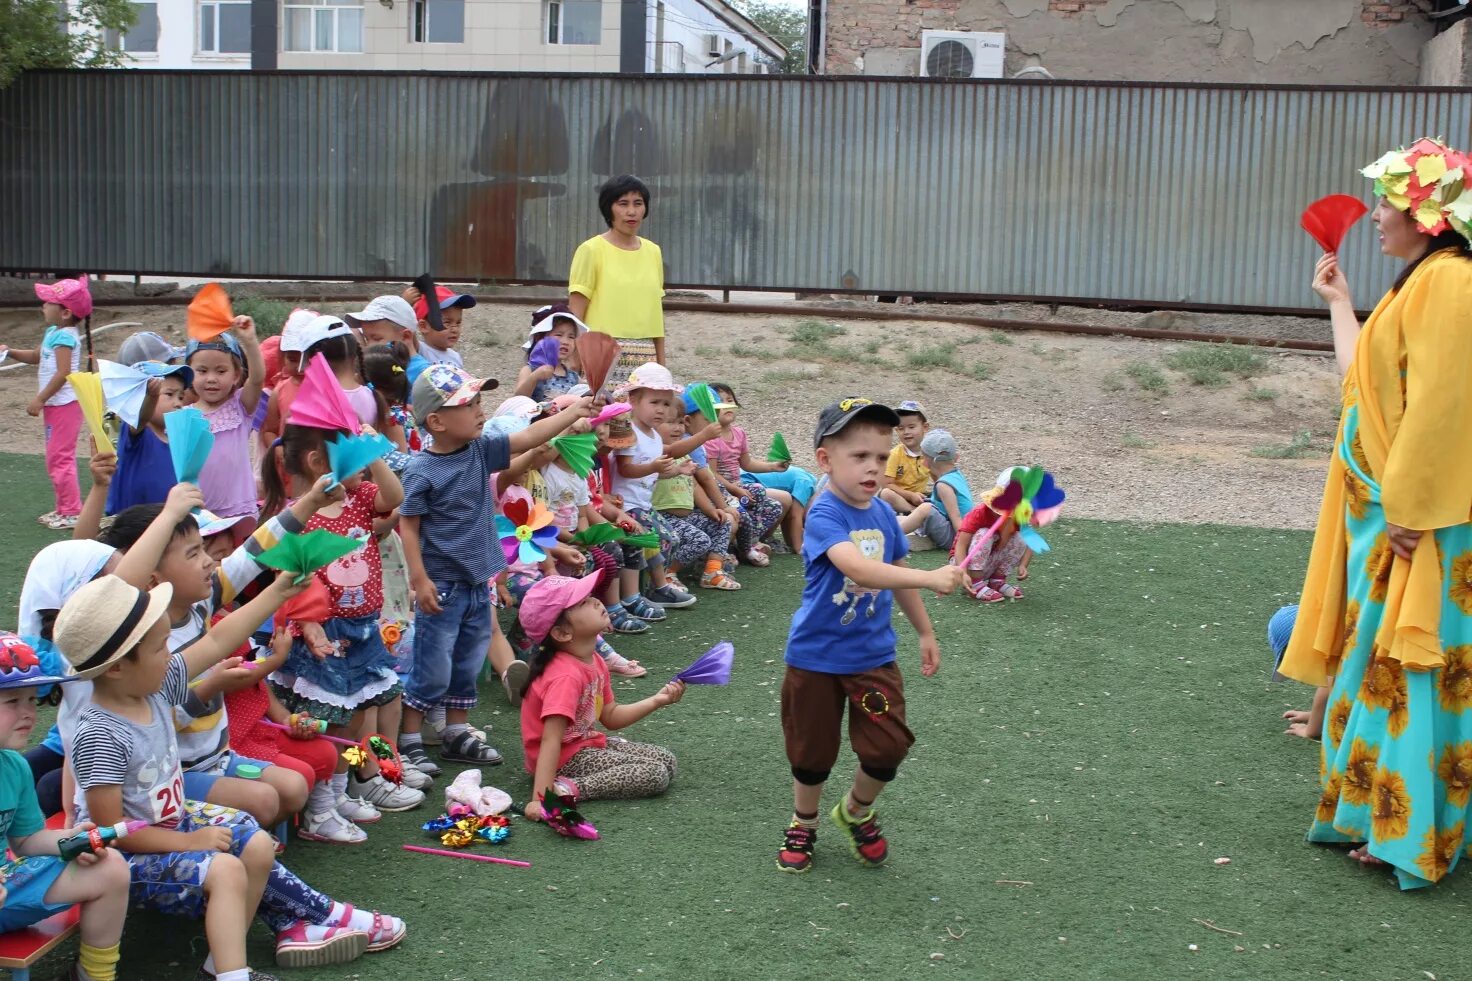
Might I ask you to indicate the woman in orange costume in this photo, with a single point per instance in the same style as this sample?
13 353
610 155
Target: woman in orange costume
1386 616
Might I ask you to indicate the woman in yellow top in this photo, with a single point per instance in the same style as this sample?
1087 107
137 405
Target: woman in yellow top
1386 615
616 285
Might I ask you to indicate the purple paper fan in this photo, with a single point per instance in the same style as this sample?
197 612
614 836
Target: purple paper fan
711 668
548 351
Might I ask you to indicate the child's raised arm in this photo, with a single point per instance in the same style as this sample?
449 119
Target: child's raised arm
141 561
542 430
230 632
684 447
255 377
390 491
103 467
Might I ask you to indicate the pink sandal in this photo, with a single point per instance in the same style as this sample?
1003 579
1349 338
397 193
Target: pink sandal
1010 591
388 931
981 591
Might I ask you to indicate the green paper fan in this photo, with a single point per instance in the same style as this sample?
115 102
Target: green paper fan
647 539
779 453
305 554
599 534
704 400
577 451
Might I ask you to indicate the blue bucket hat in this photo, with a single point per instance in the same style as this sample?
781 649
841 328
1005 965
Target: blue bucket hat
158 369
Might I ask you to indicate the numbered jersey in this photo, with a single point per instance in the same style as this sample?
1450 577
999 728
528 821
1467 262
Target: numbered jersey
109 750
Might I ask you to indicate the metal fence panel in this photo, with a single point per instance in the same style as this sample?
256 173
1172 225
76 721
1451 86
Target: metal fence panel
1132 193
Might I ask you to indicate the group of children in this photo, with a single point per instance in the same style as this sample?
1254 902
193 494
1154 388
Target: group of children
196 682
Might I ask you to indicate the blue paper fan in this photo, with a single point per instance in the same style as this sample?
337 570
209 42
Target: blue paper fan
190 442
347 455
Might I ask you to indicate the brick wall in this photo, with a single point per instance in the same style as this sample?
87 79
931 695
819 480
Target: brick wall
1069 7
1379 14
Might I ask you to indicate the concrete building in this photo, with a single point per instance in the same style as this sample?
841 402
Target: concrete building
675 36
1321 42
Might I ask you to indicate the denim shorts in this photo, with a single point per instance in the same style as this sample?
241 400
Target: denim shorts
450 647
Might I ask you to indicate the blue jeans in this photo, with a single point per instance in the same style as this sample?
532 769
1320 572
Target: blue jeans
450 647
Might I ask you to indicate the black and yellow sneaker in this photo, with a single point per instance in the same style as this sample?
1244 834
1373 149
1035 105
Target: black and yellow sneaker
797 849
865 839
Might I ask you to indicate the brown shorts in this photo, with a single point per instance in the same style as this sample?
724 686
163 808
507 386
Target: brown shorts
812 717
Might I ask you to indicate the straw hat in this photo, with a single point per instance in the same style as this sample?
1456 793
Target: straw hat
106 619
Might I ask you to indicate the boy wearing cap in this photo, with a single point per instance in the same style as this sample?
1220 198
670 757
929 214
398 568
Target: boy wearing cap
450 546
387 319
438 346
38 883
841 648
906 477
145 470
940 516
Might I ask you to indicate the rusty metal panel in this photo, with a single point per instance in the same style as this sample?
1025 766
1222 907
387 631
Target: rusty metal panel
1129 193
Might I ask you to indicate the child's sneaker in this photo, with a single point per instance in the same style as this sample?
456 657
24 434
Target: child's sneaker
415 777
645 610
332 828
307 945
718 580
416 757
357 810
625 622
62 522
667 597
383 931
865 839
797 848
384 795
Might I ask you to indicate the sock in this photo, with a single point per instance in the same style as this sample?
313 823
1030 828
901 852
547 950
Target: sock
713 565
409 740
360 920
806 820
99 963
866 810
339 785
241 975
454 730
323 796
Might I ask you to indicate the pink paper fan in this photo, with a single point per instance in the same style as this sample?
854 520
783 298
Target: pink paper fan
321 403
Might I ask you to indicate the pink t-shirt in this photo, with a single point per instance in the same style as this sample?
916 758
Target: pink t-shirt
577 691
228 482
726 455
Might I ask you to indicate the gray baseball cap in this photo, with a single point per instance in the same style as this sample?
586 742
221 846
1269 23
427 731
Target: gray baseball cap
834 418
394 309
147 346
939 445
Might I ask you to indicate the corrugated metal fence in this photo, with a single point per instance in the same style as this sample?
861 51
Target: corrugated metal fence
1131 193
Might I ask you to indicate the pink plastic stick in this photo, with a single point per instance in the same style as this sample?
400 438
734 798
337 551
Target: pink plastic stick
473 858
982 540
330 739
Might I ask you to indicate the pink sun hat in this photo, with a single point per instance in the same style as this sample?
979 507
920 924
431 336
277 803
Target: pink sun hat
71 295
548 598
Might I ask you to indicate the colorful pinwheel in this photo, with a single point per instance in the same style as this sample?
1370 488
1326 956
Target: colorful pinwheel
1031 498
526 530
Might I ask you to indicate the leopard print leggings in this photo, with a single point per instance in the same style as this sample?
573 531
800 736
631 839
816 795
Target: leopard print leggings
621 771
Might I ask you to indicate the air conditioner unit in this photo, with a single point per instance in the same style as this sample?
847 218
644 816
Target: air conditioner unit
713 45
962 54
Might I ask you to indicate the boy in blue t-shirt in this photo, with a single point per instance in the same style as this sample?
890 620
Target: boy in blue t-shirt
38 883
452 551
842 645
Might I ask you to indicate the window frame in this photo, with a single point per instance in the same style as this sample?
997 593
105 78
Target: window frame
117 40
555 20
421 23
199 12
315 8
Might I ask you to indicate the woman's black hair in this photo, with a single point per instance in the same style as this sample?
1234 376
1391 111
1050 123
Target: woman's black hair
289 453
386 368
130 523
345 349
616 188
1440 242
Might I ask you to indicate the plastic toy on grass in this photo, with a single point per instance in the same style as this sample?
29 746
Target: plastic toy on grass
562 816
711 668
209 314
88 386
305 554
1329 219
190 442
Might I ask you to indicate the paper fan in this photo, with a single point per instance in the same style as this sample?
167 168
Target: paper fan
88 386
577 451
711 668
190 442
608 412
347 455
1329 219
704 400
599 534
779 453
124 390
645 539
526 530
596 353
303 555
209 314
547 353
320 401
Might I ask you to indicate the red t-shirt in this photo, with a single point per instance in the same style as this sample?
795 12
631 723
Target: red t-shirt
979 518
355 581
574 689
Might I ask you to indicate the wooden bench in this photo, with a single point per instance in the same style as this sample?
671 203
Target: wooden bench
22 948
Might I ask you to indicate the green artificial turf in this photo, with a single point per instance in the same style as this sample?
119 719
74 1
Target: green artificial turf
1103 742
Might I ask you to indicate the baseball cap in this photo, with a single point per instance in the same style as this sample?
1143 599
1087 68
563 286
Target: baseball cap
291 331
687 398
323 328
545 318
72 295
394 309
651 375
444 386
521 406
448 298
1280 631
910 407
939 445
157 369
548 598
147 346
834 418
106 619
21 668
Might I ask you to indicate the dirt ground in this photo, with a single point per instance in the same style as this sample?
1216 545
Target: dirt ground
1072 404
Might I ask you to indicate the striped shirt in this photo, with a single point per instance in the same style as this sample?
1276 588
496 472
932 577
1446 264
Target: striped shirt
111 751
451 495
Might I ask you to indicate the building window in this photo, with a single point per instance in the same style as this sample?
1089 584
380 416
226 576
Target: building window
327 25
142 37
224 28
574 21
439 21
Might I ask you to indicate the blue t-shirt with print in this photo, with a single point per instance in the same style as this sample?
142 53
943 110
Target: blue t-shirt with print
841 628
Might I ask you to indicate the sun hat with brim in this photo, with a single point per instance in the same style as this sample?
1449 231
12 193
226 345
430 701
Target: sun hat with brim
523 406
211 523
293 331
548 599
21 668
72 295
106 619
651 375
546 318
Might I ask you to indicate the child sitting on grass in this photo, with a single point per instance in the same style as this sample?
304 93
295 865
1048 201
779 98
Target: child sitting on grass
570 695
37 883
906 477
950 494
841 649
